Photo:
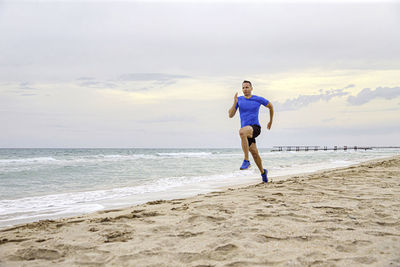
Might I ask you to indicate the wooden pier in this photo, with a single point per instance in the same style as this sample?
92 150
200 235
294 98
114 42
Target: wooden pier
318 148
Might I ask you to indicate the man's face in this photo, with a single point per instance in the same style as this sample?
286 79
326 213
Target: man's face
246 88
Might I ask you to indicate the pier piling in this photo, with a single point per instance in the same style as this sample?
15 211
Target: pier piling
325 148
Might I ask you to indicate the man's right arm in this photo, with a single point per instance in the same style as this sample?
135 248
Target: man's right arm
232 110
271 115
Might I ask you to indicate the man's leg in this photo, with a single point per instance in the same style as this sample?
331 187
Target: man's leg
246 131
256 156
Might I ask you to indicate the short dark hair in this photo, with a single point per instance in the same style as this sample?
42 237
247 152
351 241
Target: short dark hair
245 81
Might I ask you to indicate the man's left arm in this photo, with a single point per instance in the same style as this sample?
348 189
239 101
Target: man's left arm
271 115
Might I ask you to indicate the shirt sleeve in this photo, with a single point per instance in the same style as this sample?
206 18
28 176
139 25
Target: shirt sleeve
263 101
237 105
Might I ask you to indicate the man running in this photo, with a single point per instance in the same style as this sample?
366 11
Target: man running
249 106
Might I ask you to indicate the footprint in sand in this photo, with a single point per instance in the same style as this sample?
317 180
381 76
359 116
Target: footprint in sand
269 199
184 207
189 234
364 260
36 254
378 233
199 218
226 248
361 242
346 248
156 202
93 257
6 240
222 252
117 236
108 211
140 214
188 257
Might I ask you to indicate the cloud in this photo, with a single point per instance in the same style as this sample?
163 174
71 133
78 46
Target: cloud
158 77
26 86
168 35
367 95
151 80
349 86
305 100
28 94
328 119
168 119
139 81
384 128
85 78
26 89
92 83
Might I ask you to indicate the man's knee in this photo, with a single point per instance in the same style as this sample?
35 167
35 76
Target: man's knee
253 151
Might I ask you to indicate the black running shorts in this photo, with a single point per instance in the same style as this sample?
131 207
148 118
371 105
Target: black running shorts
256 132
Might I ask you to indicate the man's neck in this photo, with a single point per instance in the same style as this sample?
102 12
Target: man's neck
249 96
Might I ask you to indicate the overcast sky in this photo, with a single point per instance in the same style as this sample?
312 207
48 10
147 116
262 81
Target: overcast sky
163 73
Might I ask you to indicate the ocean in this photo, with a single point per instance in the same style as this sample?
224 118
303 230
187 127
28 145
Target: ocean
51 183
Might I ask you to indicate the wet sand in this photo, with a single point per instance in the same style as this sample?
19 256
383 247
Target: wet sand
345 217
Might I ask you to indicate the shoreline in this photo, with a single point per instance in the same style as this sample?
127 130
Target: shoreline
344 216
131 201
301 174
178 192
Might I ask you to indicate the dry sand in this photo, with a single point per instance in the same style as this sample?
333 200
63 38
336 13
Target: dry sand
345 217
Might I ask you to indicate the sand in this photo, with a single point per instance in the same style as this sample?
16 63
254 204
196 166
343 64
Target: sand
344 217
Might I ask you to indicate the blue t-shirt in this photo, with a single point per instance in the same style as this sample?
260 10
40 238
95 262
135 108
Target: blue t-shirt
249 109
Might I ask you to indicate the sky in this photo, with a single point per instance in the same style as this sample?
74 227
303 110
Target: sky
153 74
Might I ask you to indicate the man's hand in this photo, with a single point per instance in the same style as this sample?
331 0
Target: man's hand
235 100
269 125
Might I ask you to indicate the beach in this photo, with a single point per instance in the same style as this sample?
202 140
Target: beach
346 216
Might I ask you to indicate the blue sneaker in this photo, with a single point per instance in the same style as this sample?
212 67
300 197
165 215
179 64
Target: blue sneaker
264 176
245 165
